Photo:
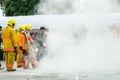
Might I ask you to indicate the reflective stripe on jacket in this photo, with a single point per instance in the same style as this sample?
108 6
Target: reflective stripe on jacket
9 39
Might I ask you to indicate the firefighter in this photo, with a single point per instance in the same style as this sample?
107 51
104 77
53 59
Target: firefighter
21 45
29 39
31 50
9 44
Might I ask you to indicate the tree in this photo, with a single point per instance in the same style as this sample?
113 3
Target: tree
20 7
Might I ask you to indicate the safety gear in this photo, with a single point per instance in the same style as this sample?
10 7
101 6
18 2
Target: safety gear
19 59
12 22
21 48
11 70
15 50
21 40
9 39
19 66
9 59
21 27
9 42
28 27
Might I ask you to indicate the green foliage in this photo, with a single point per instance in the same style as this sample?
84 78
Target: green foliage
20 7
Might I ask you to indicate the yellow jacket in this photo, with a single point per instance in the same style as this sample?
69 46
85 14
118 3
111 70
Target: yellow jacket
21 40
9 39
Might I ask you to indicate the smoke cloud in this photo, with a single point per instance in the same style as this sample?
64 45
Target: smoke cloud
78 6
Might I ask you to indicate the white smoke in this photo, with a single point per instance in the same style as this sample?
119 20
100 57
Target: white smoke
78 43
77 6
56 6
95 49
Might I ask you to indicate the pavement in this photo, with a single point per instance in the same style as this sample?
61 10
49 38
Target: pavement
29 74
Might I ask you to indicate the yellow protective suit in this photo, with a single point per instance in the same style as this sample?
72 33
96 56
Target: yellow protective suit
19 53
9 42
21 43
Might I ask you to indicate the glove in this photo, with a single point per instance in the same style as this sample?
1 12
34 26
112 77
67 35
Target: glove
21 48
24 52
15 49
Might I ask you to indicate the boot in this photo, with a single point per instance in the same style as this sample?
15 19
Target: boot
20 66
11 70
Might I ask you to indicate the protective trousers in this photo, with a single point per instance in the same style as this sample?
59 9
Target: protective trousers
19 59
9 59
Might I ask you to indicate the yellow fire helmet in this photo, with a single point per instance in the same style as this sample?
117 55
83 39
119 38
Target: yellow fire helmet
21 27
28 27
12 22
